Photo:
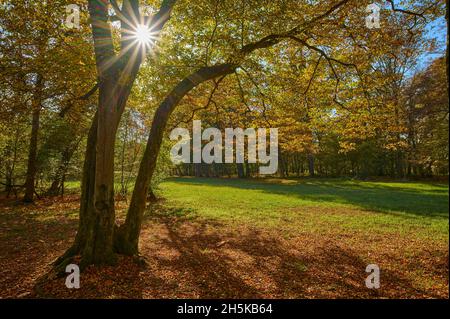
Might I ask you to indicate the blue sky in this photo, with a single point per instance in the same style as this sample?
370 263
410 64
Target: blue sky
437 30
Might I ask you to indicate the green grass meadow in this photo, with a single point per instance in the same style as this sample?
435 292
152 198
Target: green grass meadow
315 205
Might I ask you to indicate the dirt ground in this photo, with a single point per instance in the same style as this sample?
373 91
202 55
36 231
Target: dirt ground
195 258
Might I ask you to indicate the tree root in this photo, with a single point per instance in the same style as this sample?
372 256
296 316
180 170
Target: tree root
70 253
122 245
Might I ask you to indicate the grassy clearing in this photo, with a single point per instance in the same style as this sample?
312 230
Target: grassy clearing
315 205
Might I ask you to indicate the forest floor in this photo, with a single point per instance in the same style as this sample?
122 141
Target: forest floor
228 238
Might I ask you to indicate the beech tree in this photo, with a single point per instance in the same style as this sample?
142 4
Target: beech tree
214 40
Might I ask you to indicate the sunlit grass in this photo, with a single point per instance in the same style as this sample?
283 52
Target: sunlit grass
317 205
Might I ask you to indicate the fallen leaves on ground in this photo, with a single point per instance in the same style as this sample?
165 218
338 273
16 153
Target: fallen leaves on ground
197 258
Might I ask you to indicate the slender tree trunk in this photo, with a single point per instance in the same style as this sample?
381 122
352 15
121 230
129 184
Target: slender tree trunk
123 188
197 169
63 181
8 185
10 166
32 151
400 165
447 10
247 170
311 165
240 170
58 181
14 161
54 188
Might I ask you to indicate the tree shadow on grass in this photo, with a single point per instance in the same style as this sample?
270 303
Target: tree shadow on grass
368 196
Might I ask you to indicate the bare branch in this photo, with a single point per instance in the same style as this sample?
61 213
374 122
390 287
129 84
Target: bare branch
84 97
313 75
242 93
321 52
90 93
415 14
158 21
273 39
208 103
116 7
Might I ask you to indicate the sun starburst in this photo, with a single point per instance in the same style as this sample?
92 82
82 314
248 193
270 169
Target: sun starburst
144 35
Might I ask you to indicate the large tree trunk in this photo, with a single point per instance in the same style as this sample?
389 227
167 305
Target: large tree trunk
85 222
32 151
99 244
94 240
116 75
